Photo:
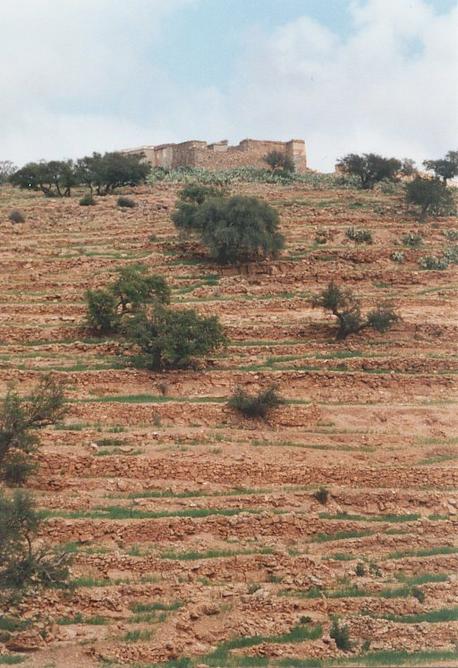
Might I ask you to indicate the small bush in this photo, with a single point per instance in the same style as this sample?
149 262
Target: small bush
126 203
398 256
452 235
361 236
321 495
431 262
87 200
16 217
258 405
381 319
419 594
451 254
360 569
341 635
412 240
322 237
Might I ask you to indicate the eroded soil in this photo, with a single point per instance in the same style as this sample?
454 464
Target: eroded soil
195 532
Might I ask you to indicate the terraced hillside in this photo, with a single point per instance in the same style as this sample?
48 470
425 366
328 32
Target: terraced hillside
197 536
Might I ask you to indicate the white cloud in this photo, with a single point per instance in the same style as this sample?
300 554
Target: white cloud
391 86
77 76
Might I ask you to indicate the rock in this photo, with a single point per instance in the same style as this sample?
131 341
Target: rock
27 641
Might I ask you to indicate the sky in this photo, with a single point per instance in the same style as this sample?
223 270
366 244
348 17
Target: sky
345 75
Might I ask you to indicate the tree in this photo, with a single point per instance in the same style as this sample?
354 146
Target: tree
56 177
445 168
239 229
430 195
370 168
279 161
408 167
131 291
134 287
172 339
7 168
346 308
22 564
190 198
19 419
111 170
101 314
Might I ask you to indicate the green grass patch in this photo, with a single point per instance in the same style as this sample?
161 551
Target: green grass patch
399 658
212 554
97 620
155 606
127 513
426 552
340 535
297 634
432 616
370 518
422 579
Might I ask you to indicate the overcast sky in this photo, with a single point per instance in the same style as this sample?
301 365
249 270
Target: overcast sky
345 75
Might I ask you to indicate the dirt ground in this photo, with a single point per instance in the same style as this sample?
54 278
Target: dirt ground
196 535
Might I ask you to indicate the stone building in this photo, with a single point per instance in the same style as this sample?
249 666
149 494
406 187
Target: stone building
250 152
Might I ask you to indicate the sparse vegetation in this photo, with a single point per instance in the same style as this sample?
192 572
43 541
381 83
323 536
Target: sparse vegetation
333 506
255 405
398 256
361 236
19 419
321 495
346 307
341 635
432 262
412 240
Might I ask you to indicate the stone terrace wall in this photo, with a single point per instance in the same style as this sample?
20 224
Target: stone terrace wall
250 152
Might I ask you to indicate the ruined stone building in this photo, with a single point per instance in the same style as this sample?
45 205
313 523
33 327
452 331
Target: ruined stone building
249 153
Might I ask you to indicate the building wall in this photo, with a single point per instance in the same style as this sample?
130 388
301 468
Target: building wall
250 152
